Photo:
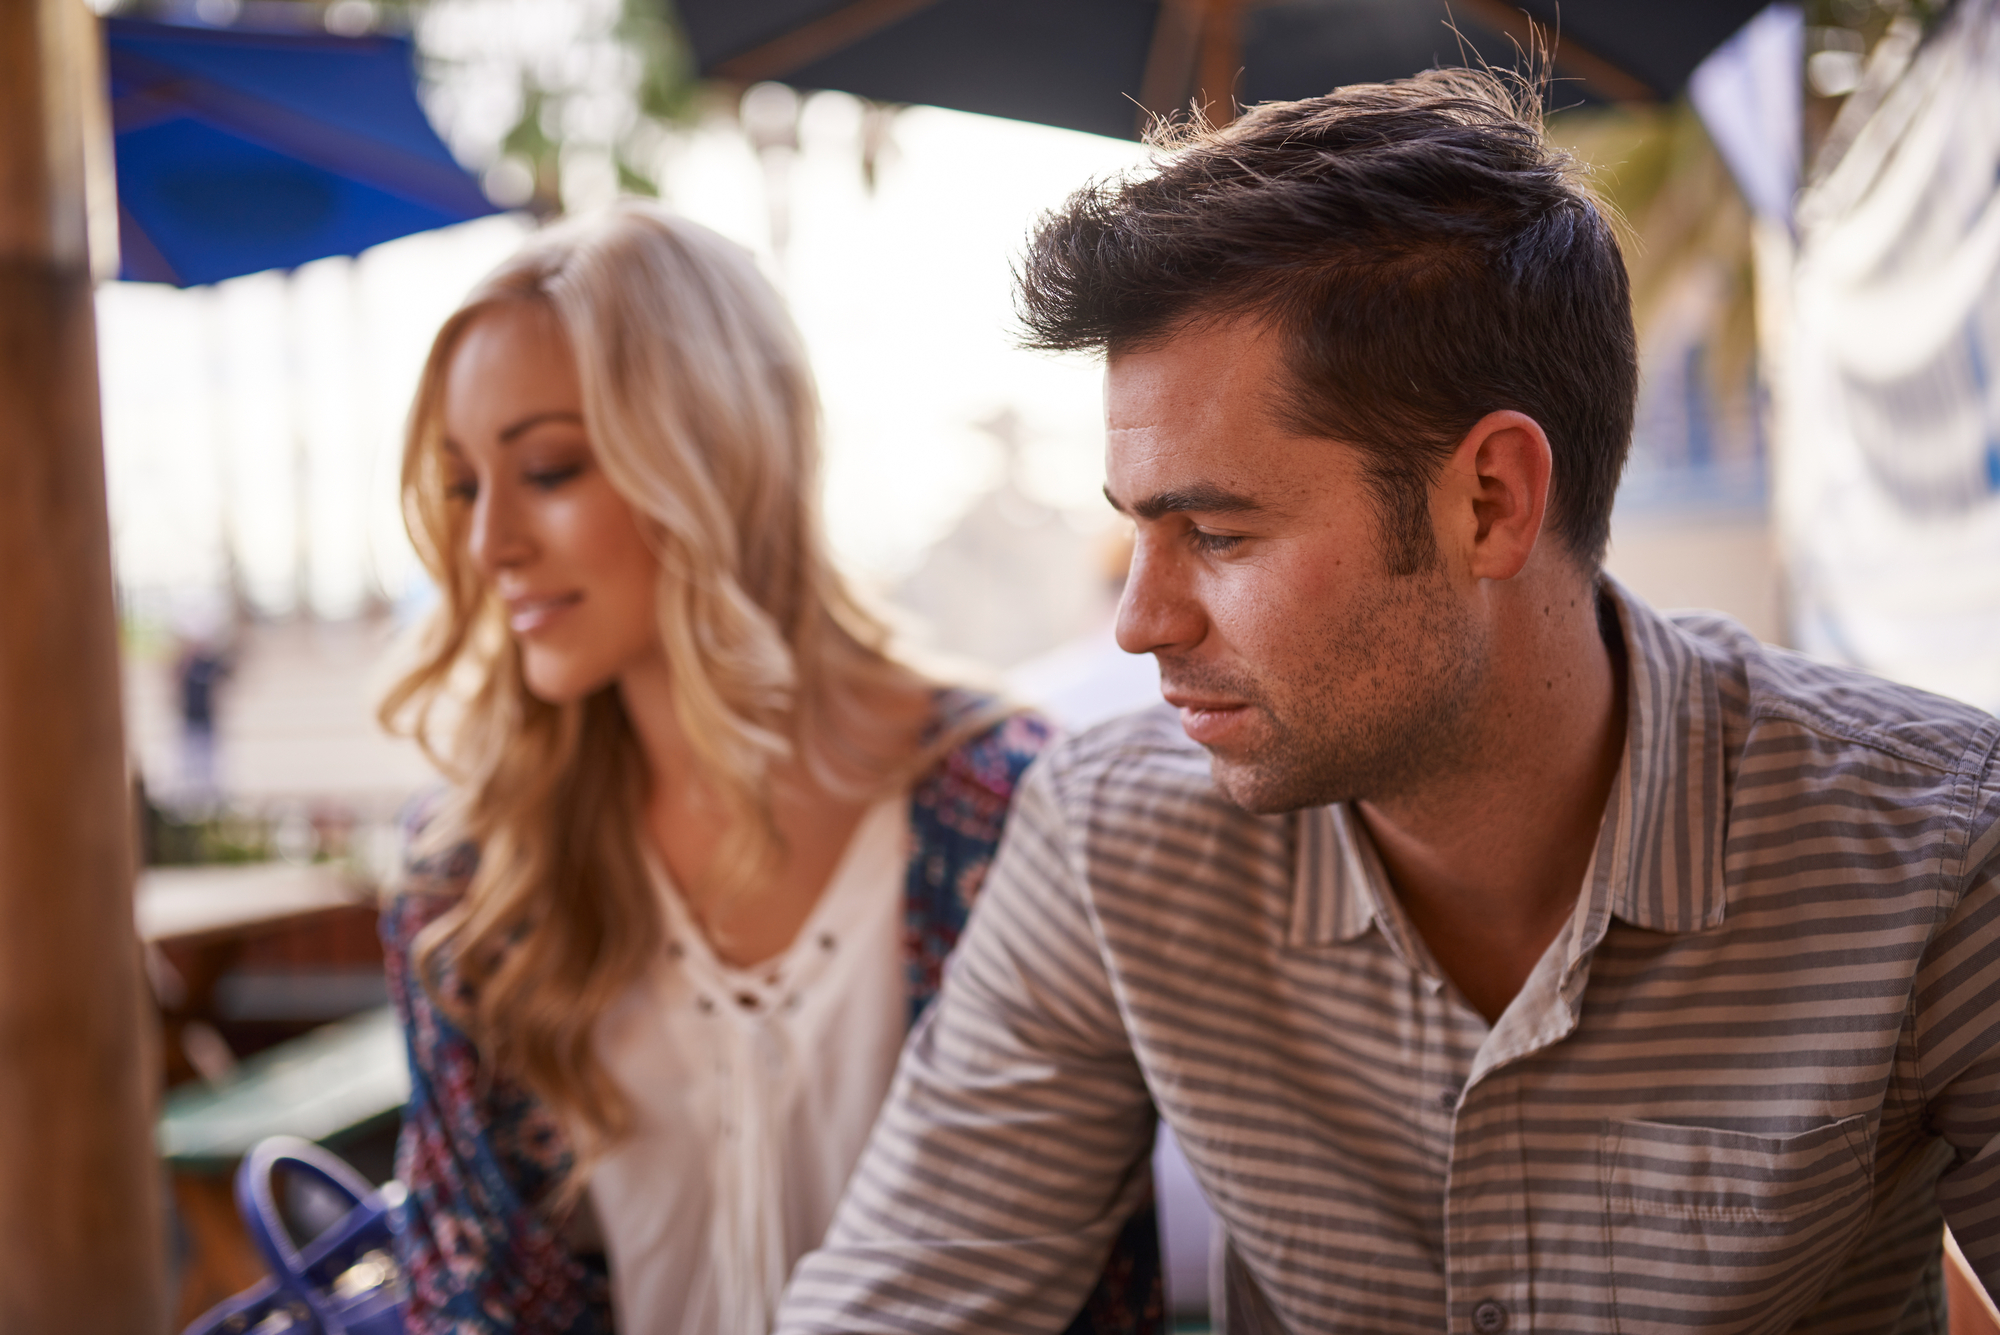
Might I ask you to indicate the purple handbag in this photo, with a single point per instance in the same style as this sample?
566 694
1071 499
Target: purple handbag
344 1281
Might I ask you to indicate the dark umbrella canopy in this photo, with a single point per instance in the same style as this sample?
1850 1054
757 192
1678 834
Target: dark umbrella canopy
241 151
1090 64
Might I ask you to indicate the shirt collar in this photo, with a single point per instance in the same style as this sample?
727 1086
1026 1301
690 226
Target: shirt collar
1658 862
1659 855
1338 881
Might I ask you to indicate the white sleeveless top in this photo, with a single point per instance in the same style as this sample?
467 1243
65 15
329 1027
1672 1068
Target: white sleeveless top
753 1091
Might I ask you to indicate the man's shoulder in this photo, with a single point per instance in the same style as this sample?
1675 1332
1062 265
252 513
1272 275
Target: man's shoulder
1136 803
1146 746
1776 686
1137 770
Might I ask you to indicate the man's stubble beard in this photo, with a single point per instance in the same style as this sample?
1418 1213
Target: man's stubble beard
1385 703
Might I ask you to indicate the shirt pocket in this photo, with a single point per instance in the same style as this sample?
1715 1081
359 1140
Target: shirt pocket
1725 1231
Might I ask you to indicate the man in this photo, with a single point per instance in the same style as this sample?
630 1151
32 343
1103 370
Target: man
1504 955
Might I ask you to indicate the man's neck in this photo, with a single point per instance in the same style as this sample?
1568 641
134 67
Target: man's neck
1489 859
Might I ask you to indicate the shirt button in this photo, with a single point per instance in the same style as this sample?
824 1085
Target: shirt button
1489 1317
1448 1099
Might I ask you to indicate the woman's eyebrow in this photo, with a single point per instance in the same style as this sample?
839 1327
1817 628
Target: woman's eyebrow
510 434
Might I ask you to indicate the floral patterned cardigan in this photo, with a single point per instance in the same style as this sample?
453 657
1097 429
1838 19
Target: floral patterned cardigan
481 1247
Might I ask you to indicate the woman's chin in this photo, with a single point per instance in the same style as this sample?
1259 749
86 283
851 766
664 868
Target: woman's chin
560 684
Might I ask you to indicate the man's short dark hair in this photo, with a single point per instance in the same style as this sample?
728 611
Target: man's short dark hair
1427 257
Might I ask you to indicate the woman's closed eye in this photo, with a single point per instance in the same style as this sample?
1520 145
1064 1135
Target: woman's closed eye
553 476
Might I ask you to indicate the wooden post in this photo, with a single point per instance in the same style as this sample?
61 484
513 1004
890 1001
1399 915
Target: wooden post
1220 63
80 1213
1193 62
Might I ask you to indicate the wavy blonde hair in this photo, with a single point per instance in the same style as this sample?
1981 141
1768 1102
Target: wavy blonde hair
700 408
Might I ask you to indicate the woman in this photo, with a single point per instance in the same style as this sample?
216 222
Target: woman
708 840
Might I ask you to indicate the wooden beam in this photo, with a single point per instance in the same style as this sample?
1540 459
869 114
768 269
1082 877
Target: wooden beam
1170 60
80 1213
1193 61
793 51
1598 75
1221 61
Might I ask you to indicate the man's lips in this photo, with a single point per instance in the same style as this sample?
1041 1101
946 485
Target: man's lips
527 614
1208 720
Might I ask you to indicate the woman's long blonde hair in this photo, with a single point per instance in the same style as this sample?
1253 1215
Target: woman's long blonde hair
699 406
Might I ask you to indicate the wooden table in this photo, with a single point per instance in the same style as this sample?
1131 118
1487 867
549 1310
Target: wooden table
197 921
199 906
342 1077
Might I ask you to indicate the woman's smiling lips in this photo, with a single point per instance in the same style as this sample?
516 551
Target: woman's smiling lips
1208 721
526 615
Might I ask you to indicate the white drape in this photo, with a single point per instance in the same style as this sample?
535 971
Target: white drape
1888 481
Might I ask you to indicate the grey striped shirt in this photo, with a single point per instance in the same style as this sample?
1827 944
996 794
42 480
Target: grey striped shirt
1736 1094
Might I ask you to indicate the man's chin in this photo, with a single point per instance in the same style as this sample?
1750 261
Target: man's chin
1259 791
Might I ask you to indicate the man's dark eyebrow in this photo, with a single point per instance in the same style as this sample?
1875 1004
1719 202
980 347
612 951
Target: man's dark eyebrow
1202 498
522 427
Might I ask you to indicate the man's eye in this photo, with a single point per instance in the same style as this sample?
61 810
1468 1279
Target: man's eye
1212 543
548 479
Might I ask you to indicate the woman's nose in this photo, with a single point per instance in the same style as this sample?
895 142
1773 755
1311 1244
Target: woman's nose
1156 612
497 540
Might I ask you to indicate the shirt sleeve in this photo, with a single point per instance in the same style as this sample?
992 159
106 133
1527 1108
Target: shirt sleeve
1958 1041
1014 1143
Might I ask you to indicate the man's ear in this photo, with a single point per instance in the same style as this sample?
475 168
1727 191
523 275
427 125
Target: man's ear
1495 493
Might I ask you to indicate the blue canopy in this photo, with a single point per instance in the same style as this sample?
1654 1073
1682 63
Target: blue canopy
240 151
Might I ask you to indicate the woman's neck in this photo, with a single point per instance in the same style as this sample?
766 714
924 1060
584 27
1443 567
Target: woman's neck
687 816
646 692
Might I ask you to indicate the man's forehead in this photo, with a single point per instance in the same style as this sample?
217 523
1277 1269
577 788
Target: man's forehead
1235 364
1199 417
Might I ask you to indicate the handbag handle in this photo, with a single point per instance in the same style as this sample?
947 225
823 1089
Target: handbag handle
332 1273
257 1201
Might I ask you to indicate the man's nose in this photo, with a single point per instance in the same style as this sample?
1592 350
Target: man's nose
1157 612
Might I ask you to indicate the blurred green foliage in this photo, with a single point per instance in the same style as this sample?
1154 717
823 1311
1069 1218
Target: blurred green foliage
663 97
174 839
1680 210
